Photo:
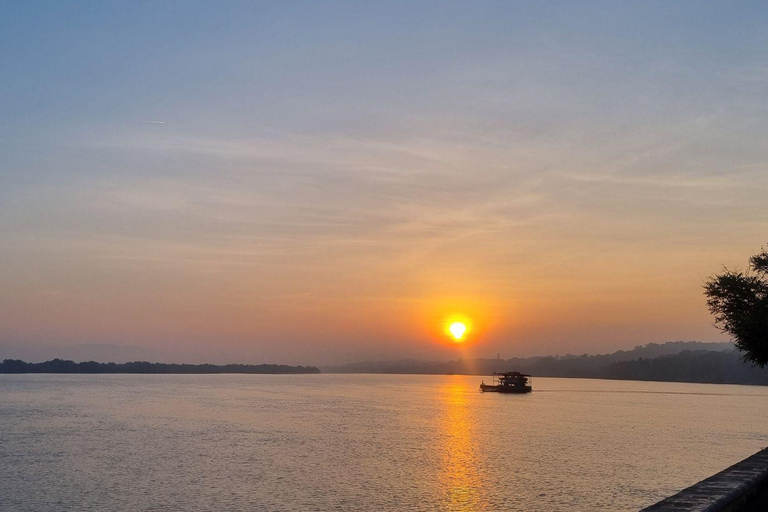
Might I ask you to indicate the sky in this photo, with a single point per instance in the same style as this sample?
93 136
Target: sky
325 182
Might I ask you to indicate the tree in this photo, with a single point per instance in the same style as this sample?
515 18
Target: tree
739 303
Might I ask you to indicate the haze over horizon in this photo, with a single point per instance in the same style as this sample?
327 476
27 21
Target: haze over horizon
314 184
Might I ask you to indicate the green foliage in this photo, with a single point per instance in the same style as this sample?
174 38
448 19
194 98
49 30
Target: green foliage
739 303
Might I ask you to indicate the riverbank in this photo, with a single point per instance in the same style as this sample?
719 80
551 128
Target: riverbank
742 487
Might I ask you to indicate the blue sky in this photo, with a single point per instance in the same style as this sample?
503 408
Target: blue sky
323 181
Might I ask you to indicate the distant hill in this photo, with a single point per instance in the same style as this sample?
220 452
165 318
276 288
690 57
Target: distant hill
63 366
688 366
674 361
34 352
572 364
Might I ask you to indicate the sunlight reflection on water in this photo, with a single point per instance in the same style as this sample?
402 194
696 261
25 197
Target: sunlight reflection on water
461 474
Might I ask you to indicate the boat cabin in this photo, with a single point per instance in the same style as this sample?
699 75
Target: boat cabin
509 382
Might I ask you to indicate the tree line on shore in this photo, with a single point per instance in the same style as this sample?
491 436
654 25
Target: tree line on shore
715 363
65 366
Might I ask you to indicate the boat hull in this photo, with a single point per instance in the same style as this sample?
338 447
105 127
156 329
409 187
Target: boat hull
505 389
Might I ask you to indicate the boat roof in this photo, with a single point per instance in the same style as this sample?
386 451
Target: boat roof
511 374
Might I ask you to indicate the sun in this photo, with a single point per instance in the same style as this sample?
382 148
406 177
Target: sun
457 330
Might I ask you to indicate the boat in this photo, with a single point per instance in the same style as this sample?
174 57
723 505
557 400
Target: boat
508 382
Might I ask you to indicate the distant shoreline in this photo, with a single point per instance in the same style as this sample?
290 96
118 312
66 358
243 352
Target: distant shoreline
17 366
617 379
693 362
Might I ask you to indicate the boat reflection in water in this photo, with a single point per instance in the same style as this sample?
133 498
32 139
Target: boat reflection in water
509 382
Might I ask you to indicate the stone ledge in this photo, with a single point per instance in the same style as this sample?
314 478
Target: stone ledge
742 487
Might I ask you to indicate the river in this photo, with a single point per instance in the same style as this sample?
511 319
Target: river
362 442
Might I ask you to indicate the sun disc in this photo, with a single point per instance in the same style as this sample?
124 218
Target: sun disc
457 330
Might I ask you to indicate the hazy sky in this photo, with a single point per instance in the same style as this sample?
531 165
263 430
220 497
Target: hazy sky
314 182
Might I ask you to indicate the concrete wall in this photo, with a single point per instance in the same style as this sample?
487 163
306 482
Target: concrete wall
742 487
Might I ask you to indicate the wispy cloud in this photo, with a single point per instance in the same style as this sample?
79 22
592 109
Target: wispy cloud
512 156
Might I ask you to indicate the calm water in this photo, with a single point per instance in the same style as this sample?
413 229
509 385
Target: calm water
362 442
